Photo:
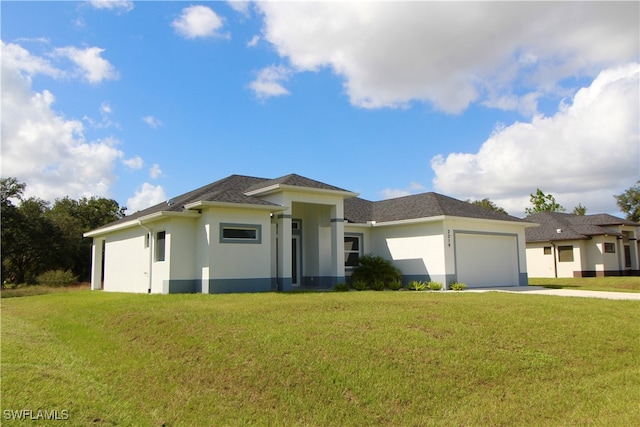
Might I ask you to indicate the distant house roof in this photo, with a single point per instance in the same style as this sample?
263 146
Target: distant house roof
423 205
557 226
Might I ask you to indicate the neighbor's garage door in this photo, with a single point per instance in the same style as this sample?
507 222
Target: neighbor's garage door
484 260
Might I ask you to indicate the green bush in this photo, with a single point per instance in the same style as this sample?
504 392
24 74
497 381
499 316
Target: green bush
395 285
341 287
416 285
377 285
56 278
373 267
434 286
360 285
455 286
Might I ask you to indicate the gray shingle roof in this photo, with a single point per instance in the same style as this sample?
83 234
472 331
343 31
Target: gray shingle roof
423 205
573 227
295 181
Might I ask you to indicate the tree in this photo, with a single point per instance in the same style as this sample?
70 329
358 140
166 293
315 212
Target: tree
580 210
488 204
629 202
543 203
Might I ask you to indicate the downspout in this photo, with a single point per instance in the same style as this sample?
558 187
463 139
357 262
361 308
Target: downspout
555 260
149 275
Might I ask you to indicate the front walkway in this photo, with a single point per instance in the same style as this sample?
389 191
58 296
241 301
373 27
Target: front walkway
562 292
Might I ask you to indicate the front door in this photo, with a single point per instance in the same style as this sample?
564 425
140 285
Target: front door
295 260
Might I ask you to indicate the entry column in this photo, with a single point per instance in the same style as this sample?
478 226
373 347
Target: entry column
337 245
284 252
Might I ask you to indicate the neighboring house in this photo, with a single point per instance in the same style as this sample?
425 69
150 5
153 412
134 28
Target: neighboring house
568 245
248 234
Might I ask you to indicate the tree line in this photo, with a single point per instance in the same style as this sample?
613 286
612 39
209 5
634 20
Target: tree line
38 236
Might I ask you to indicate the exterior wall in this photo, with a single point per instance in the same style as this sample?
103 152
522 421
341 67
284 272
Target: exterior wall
181 257
238 266
539 264
416 249
126 261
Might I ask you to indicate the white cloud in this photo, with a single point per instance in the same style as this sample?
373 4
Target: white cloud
269 80
134 163
17 58
152 121
413 188
451 54
585 153
119 5
241 6
145 196
198 21
254 41
155 171
89 63
43 148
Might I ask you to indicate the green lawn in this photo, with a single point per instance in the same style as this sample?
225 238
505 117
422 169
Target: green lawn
322 359
612 284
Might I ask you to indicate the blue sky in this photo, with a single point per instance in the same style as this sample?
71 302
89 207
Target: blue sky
142 101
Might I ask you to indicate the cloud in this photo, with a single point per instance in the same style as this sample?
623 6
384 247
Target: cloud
241 6
254 41
155 171
43 148
452 54
585 153
89 63
152 121
118 5
413 188
198 21
145 196
268 82
134 163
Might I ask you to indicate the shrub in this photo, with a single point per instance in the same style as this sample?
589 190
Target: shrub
373 267
377 285
434 286
416 285
360 285
455 286
57 278
395 285
341 287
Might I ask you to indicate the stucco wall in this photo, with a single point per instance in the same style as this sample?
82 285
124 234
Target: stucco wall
126 261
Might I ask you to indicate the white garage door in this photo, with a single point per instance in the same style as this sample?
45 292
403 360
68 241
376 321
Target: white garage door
485 260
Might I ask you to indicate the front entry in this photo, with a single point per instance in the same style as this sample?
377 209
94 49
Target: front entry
296 258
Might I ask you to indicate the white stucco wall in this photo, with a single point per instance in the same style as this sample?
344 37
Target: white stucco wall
539 264
126 261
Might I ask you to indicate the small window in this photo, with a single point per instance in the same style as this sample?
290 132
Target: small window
352 245
565 253
160 245
610 248
147 237
547 250
240 233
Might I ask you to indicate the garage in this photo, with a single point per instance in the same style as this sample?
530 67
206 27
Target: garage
486 260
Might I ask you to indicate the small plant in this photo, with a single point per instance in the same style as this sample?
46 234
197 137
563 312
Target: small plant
377 285
455 286
360 285
416 285
373 267
434 286
395 285
341 287
56 278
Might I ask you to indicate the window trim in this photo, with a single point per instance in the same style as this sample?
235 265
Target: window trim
160 250
564 250
609 248
360 238
236 226
546 250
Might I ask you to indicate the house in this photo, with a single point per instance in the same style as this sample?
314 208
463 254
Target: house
249 234
569 245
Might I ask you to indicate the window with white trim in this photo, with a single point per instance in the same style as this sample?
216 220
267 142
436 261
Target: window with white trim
161 238
240 233
610 248
352 249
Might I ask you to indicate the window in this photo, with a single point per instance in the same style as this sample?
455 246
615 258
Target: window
352 245
160 245
147 237
547 250
565 253
610 248
240 233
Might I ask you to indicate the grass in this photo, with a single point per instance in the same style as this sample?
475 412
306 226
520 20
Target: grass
611 284
330 359
31 290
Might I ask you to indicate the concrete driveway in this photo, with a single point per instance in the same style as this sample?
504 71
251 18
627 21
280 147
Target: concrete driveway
538 290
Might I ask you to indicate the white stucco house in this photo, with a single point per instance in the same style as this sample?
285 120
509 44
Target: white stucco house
568 245
249 234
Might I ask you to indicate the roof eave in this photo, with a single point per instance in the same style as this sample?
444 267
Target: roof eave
284 187
202 204
142 220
